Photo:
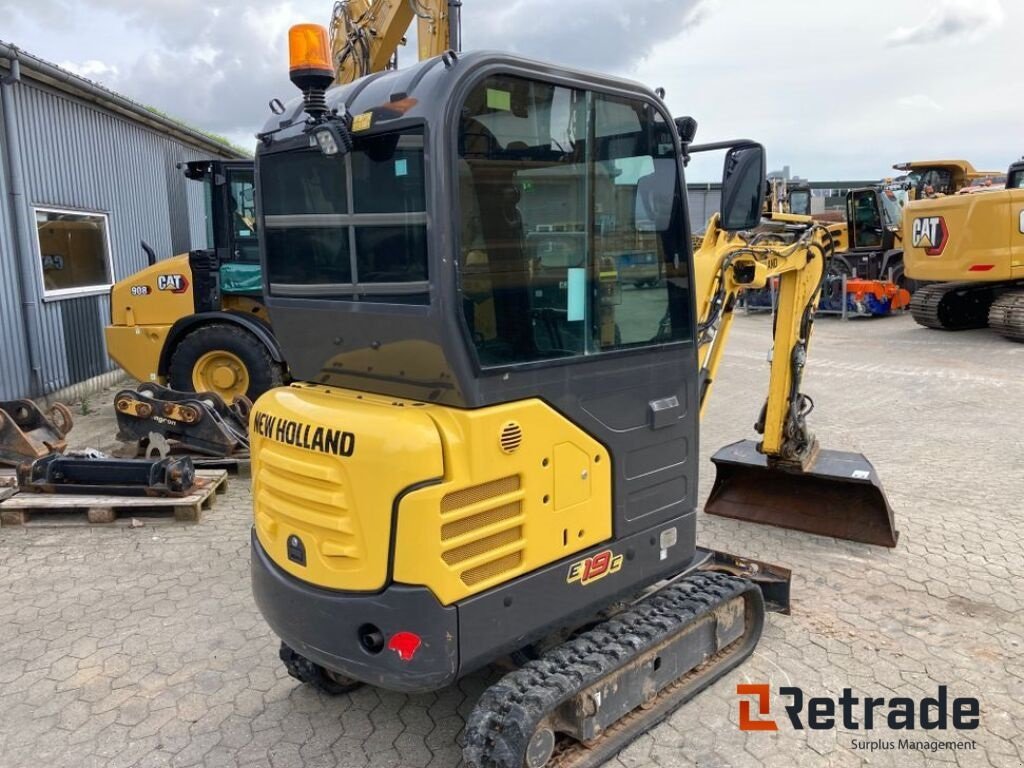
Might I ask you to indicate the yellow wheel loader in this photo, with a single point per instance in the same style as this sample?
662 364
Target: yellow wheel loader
486 451
972 246
196 322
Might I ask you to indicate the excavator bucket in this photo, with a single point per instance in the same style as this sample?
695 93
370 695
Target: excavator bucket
840 495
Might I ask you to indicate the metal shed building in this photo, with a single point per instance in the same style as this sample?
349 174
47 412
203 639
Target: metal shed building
85 176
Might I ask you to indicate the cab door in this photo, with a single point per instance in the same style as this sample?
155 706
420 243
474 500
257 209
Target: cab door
864 216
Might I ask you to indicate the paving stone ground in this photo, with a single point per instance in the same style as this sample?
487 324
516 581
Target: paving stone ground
142 647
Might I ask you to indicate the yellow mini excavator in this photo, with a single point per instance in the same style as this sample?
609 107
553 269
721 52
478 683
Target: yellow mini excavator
196 321
493 449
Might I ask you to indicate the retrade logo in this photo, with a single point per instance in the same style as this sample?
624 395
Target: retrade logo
930 233
764 707
818 713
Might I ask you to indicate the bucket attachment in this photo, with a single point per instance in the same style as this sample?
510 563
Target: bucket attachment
26 433
839 495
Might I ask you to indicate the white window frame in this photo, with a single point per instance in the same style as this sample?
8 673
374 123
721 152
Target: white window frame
85 290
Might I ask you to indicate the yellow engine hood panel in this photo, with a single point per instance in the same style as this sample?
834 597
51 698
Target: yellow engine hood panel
157 295
965 237
327 467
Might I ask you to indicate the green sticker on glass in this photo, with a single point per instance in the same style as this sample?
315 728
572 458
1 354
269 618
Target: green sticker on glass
576 308
401 167
499 99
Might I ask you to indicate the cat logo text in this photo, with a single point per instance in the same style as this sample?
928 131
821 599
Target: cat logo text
930 233
591 569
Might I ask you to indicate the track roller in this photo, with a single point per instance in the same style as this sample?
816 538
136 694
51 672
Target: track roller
952 306
1006 315
583 701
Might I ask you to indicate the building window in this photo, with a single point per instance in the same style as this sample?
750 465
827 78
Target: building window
572 234
74 252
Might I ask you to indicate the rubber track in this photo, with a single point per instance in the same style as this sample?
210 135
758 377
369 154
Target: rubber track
951 306
504 719
1006 315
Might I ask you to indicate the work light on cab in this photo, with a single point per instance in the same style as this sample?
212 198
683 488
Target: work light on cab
310 69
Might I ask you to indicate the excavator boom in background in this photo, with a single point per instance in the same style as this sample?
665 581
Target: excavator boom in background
365 35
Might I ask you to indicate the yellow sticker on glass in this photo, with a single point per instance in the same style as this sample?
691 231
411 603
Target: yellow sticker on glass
362 122
499 99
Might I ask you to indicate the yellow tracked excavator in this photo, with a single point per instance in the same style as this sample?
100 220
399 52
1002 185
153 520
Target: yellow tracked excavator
492 445
971 246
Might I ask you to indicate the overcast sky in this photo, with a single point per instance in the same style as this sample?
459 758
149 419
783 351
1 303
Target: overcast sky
833 89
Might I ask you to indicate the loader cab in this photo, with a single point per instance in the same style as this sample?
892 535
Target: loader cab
874 219
230 206
230 265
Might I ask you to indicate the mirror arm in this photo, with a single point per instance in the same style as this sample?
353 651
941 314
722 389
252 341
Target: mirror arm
715 145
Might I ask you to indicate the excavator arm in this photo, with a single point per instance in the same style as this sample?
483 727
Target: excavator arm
365 34
784 479
725 265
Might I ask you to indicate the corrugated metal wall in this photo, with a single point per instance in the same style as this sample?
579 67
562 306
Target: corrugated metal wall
78 156
15 376
704 200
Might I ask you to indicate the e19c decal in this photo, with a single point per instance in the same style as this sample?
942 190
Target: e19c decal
590 569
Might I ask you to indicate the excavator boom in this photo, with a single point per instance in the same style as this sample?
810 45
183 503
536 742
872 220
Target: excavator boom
366 34
785 479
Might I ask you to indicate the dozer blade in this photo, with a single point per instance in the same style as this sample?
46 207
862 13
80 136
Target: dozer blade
840 495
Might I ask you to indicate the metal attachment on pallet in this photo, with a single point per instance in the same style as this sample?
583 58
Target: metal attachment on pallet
199 422
123 477
26 433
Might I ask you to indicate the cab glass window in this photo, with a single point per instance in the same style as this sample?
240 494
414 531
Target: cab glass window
800 202
242 215
572 236
939 179
352 227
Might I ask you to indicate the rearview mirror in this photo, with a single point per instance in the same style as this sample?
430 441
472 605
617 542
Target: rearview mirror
743 186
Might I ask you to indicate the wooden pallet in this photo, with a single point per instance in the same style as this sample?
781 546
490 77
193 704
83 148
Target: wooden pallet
65 509
235 465
238 467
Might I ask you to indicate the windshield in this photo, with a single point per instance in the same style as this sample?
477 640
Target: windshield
1015 179
891 209
800 202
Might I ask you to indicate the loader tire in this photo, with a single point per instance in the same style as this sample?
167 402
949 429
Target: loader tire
305 671
225 359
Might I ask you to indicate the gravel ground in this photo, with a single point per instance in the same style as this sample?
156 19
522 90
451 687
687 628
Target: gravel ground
142 647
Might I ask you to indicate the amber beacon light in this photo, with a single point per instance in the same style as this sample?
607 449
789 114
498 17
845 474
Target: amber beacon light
309 63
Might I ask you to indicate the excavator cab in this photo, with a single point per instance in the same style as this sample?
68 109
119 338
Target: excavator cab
1015 176
494 441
